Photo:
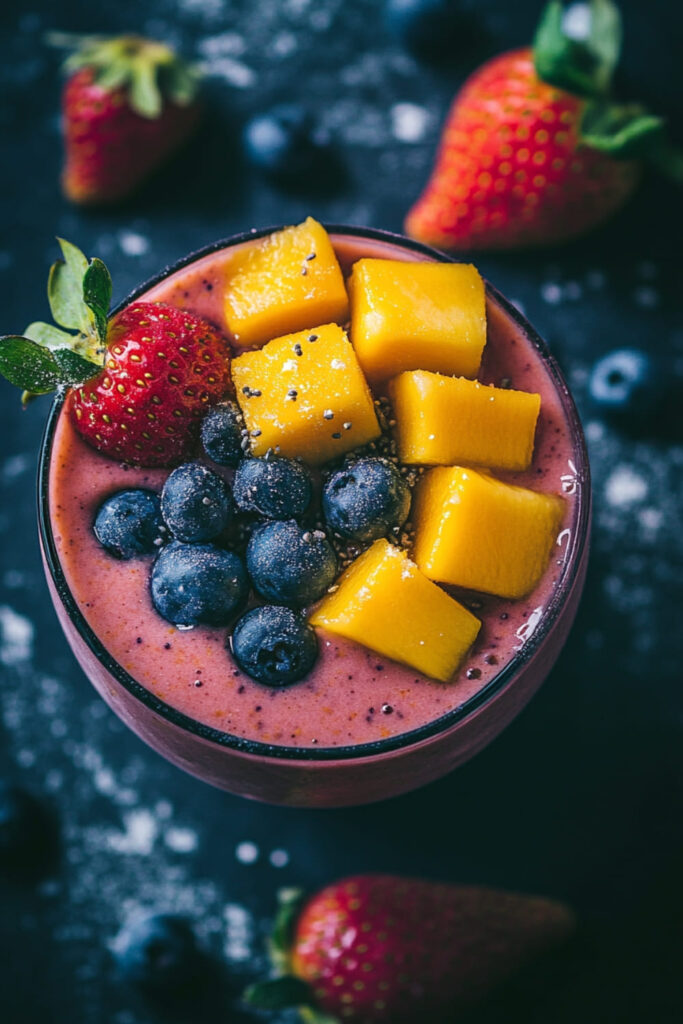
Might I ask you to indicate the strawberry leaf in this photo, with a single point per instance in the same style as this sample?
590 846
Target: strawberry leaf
144 94
48 335
626 132
97 295
74 368
290 902
65 289
278 993
180 83
583 66
28 365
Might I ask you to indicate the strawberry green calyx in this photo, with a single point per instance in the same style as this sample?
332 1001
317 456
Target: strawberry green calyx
47 357
284 990
150 72
585 67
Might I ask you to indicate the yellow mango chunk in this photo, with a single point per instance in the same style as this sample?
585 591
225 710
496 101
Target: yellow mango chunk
417 316
305 395
385 603
285 282
444 421
474 531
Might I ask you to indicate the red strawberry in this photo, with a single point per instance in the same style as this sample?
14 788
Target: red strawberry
140 383
379 948
533 152
127 104
163 368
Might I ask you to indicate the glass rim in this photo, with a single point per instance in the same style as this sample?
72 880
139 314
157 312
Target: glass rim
360 751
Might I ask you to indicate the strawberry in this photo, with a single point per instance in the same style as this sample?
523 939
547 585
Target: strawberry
533 151
140 383
380 948
127 104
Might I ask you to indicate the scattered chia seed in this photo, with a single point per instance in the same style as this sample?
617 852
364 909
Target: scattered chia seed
167 647
312 337
292 395
347 425
304 271
198 682
311 256
504 615
138 640
473 673
256 433
336 435
328 414
505 382
387 709
491 659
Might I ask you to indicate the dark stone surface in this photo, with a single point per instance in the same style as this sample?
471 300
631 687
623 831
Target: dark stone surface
581 797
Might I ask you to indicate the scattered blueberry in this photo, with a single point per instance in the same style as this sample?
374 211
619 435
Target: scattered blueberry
290 564
129 524
428 28
198 583
275 488
280 141
627 382
221 434
196 503
24 828
365 499
274 645
158 952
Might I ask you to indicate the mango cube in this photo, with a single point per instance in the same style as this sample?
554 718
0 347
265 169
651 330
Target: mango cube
305 395
474 531
417 316
385 603
285 282
444 421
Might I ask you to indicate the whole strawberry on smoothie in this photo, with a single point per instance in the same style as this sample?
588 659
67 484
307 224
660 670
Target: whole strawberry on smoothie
383 949
535 150
127 104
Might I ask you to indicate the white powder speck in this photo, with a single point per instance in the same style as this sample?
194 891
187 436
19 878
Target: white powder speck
646 297
284 44
139 835
595 430
577 21
181 840
16 466
239 929
625 487
409 122
551 292
133 243
232 71
279 858
26 758
163 810
573 290
650 519
230 44
16 637
247 852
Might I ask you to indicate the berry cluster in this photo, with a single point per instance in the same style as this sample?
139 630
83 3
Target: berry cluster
261 536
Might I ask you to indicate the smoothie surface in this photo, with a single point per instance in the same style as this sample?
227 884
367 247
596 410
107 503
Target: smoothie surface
352 696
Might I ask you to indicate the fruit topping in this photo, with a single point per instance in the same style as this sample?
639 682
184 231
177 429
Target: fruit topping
281 141
305 395
285 282
417 316
127 104
222 433
141 382
158 952
366 499
129 524
198 583
275 488
290 564
274 645
384 602
443 421
474 531
196 503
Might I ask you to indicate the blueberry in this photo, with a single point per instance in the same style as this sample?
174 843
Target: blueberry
627 382
24 828
196 503
157 952
221 434
198 583
274 645
275 488
365 499
290 564
428 28
129 524
280 141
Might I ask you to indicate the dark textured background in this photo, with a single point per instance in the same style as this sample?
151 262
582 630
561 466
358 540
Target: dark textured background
580 798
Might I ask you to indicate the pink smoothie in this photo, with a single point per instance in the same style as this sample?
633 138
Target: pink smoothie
352 696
